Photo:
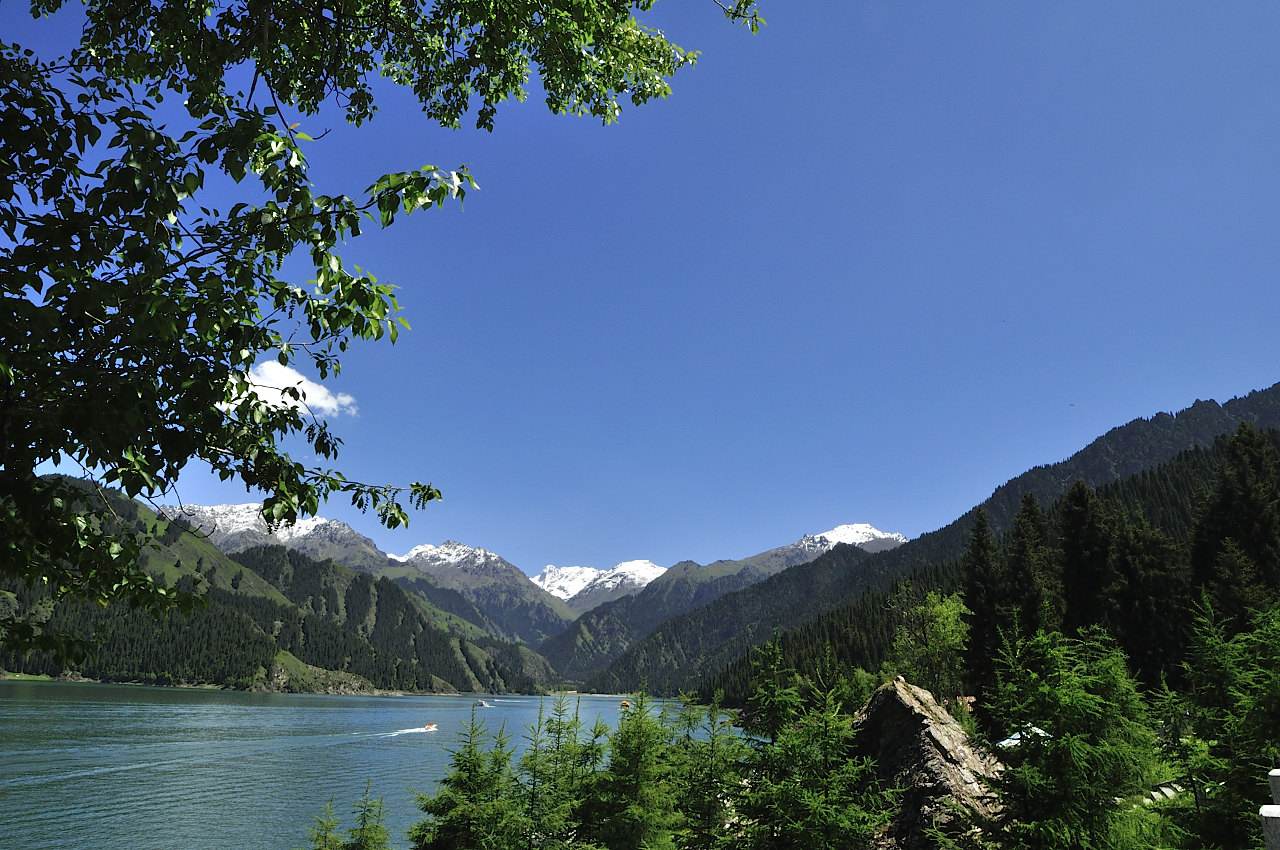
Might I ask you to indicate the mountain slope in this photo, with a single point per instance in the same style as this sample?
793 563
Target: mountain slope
235 528
603 634
625 579
565 582
267 602
711 638
504 596
1168 499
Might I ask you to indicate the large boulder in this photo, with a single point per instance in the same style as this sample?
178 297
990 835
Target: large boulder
919 748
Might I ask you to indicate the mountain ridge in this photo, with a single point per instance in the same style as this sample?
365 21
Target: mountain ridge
1137 446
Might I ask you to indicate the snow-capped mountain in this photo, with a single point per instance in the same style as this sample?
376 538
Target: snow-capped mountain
565 582
234 528
495 586
864 536
628 574
586 587
452 558
860 534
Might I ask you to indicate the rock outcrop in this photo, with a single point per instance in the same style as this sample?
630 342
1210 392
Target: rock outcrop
919 748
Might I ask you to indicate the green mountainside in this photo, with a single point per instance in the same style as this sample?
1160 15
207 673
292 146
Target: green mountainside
606 632
483 588
710 638
1158 507
268 601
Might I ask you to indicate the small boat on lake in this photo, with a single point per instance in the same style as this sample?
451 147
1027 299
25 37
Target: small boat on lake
430 727
481 704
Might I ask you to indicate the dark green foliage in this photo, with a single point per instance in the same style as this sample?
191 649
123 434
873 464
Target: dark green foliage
1149 521
368 833
709 764
326 616
706 647
1086 558
133 314
476 804
1145 603
557 771
1235 552
685 648
1028 604
1225 729
1083 748
807 789
984 588
633 805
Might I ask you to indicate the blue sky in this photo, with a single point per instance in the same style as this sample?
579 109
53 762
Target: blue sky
864 266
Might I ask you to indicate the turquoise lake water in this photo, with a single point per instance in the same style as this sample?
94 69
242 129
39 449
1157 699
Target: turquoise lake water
136 768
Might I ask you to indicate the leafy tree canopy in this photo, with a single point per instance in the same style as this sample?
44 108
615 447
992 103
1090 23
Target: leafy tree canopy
132 315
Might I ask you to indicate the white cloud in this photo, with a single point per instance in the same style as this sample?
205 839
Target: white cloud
269 378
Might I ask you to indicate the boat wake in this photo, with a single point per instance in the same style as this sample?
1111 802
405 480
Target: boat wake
414 731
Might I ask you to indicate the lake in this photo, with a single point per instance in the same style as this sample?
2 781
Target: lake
87 765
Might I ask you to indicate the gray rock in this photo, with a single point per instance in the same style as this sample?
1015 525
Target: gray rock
919 748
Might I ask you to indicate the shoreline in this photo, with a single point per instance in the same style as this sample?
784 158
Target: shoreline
6 676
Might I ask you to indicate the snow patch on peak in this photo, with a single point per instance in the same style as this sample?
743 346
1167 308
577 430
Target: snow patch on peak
450 552
565 582
308 525
858 534
635 574
222 519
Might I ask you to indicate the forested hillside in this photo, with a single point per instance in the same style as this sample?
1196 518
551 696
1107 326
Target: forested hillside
606 632
698 640
1133 556
242 613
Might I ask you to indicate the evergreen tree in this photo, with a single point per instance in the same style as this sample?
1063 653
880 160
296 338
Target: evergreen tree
369 833
776 699
476 805
806 789
324 831
1028 602
1245 508
984 589
1233 705
708 760
557 774
1085 542
1147 600
634 804
1080 745
1235 586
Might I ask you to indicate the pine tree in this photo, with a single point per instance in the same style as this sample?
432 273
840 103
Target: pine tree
634 803
984 589
775 700
1244 508
369 833
807 789
1233 701
1028 602
477 803
557 773
324 831
708 767
1085 542
1081 745
1147 601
